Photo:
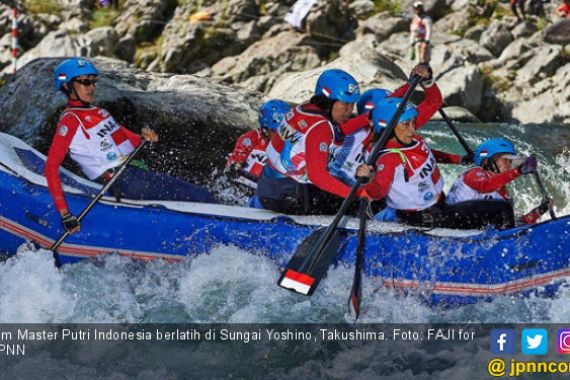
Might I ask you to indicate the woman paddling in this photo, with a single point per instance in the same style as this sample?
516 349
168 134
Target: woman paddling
99 144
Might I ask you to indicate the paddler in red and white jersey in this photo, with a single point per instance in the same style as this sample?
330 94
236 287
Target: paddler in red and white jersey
248 158
407 174
296 179
487 181
99 144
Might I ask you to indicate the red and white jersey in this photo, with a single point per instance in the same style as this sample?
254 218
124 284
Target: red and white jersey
477 183
286 152
356 147
300 148
409 176
420 28
94 140
416 180
249 152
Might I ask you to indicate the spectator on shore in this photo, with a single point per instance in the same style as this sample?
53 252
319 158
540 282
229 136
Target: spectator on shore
420 34
564 9
520 3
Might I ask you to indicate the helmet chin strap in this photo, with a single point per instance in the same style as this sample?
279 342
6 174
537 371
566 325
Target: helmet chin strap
74 91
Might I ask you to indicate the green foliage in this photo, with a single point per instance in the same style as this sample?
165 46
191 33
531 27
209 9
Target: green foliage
148 51
42 6
497 83
103 17
391 6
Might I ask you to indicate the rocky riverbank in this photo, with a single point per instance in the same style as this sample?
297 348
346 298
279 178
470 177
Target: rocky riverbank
490 67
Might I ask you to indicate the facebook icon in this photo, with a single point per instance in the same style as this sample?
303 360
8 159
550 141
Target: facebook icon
503 341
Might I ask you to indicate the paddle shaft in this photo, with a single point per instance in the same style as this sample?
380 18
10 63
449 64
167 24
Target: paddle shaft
356 290
374 154
456 132
105 188
544 193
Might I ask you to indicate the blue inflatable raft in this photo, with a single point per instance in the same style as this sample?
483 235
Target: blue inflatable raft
452 267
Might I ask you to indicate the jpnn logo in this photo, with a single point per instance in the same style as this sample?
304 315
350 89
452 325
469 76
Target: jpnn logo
534 341
503 341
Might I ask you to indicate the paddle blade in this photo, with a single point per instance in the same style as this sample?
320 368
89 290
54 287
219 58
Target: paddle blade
309 263
355 296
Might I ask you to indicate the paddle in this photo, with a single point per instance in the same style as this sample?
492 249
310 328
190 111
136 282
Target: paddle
105 188
313 257
544 193
456 133
355 297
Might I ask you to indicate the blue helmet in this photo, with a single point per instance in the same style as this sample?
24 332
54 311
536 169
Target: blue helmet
72 68
491 147
336 84
369 99
272 113
385 110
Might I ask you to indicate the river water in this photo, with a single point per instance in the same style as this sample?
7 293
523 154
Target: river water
231 285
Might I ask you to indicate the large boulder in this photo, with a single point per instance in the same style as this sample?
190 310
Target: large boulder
516 51
544 62
361 8
143 19
382 26
369 68
456 22
462 86
496 37
188 112
30 30
329 20
195 37
102 41
56 44
262 63
524 29
558 33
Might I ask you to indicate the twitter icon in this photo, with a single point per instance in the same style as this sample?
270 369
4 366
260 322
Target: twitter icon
534 341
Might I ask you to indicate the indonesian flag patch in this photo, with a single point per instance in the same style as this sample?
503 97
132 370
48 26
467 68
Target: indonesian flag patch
327 92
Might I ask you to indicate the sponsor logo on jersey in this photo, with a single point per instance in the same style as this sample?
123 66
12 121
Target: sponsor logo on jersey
323 147
111 156
107 128
105 145
62 131
247 142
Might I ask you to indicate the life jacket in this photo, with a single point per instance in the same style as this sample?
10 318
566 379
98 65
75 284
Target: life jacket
100 143
417 183
461 192
286 151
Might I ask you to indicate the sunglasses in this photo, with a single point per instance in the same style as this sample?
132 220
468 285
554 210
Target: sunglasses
86 82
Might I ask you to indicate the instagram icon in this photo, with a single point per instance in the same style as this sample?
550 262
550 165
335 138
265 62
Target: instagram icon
563 341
